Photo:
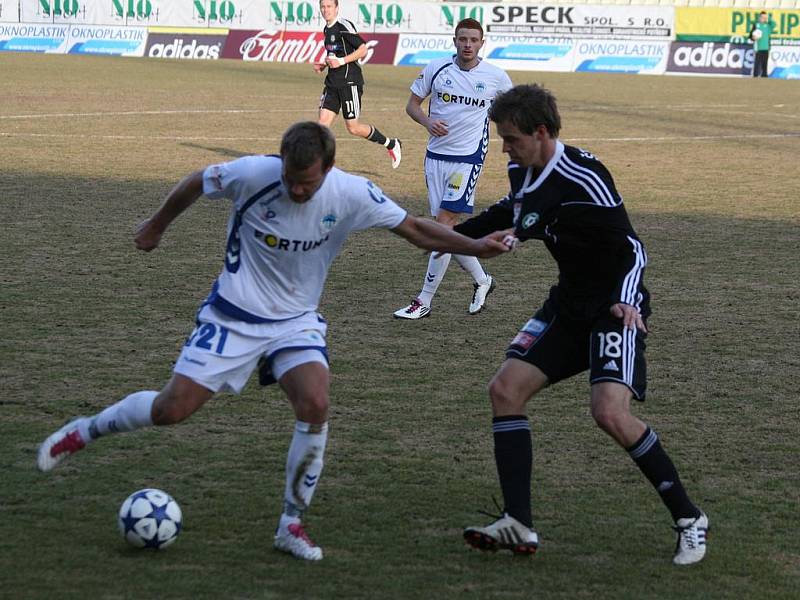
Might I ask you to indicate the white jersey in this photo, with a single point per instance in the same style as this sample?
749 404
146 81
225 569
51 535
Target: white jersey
279 251
462 100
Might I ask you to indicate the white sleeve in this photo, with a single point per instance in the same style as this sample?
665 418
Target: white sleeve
504 84
373 208
422 84
236 180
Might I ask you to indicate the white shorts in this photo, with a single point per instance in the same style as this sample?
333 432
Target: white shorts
222 352
451 185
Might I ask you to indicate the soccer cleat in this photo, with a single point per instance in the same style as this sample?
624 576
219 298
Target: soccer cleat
59 445
691 544
415 310
506 533
480 293
396 153
295 541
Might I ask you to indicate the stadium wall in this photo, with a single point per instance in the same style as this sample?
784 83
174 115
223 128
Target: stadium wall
647 39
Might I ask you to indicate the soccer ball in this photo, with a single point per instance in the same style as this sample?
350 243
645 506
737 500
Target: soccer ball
150 518
756 35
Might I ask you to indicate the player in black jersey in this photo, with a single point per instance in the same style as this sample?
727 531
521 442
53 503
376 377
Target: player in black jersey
344 84
594 318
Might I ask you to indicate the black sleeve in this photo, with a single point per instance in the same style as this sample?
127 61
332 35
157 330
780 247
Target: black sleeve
354 39
495 218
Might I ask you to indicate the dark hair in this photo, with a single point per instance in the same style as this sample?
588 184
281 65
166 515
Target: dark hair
469 24
305 142
336 2
527 107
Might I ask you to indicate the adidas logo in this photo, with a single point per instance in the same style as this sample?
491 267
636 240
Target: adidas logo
611 366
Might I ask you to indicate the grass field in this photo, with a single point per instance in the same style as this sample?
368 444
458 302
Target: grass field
709 172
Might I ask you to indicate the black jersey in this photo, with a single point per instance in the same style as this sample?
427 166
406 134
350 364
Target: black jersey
573 206
342 39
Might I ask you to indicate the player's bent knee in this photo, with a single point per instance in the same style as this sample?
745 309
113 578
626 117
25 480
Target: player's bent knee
503 396
312 408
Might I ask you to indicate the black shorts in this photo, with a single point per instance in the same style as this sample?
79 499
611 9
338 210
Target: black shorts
347 98
563 346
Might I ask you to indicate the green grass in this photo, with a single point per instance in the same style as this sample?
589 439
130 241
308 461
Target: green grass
709 175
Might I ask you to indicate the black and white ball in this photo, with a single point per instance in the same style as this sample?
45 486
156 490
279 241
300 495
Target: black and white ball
150 518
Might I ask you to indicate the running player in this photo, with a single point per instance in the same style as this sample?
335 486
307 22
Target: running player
344 84
461 89
594 318
290 216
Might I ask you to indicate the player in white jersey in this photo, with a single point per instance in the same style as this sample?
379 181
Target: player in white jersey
461 90
290 216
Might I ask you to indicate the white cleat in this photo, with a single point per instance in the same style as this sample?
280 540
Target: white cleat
480 293
506 533
60 445
295 541
396 153
415 310
691 545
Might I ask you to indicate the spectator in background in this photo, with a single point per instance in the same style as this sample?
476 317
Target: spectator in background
761 34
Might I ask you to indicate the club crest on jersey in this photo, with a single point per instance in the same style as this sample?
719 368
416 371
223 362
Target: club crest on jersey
480 87
530 220
448 82
328 221
269 214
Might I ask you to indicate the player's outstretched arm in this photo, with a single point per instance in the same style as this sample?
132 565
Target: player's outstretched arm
148 233
429 235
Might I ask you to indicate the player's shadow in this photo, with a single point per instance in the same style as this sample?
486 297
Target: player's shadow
224 151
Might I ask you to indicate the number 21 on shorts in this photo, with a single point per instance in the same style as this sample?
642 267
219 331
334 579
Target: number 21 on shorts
209 337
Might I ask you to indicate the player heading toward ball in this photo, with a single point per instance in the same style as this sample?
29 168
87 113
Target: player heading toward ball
593 320
290 216
344 83
461 90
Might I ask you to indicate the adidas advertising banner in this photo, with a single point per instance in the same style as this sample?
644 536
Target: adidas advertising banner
300 46
710 58
603 21
72 39
201 44
733 25
9 11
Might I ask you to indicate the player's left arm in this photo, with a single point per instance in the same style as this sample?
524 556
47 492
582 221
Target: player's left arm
429 235
182 196
360 52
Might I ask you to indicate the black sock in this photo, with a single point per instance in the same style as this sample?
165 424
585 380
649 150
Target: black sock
653 461
377 137
513 454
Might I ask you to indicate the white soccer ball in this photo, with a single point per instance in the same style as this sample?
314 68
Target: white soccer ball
756 35
150 518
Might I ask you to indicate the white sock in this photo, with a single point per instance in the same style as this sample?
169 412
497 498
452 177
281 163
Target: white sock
471 265
132 412
303 468
437 267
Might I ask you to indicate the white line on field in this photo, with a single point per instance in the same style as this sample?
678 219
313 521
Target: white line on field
340 139
237 111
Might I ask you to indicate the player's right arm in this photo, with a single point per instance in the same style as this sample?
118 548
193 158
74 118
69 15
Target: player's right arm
435 127
189 189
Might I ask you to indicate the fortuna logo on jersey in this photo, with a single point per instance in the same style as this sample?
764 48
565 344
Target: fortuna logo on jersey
445 97
273 241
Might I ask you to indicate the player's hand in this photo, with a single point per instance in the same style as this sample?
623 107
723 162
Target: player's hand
630 315
437 128
334 62
147 235
320 67
492 245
